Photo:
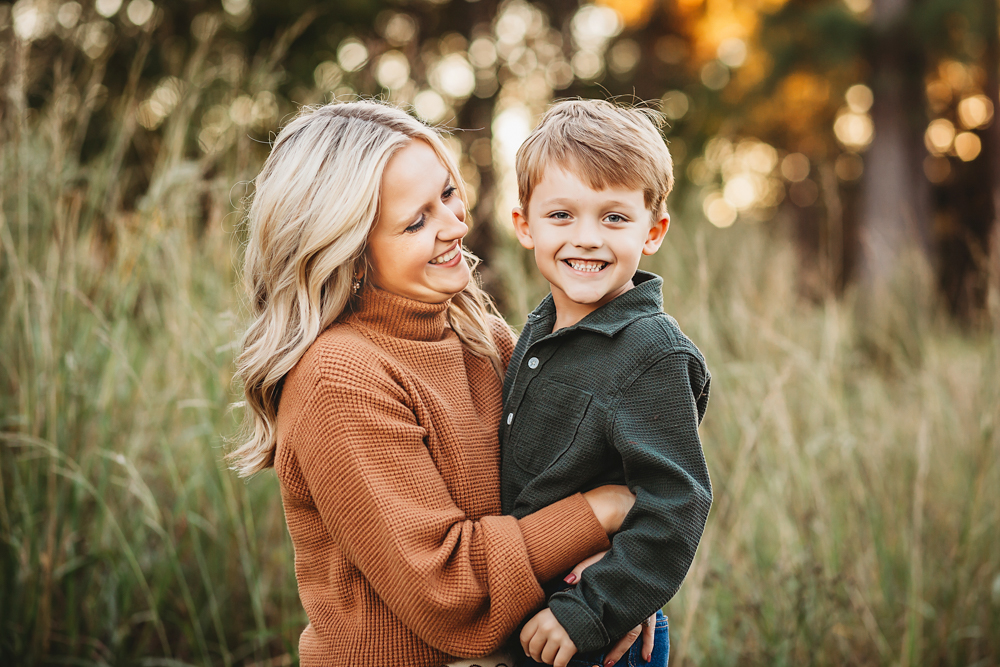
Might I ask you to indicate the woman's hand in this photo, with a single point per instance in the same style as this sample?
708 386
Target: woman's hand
646 630
610 504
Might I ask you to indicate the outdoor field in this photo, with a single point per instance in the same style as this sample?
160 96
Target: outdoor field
853 432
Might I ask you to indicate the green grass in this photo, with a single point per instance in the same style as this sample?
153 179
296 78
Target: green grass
854 443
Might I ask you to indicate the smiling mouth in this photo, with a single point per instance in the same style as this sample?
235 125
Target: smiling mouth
447 256
586 265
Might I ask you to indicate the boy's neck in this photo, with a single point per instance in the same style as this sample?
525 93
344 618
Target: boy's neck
569 312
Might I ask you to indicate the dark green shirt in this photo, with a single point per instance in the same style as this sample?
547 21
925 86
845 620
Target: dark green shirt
614 399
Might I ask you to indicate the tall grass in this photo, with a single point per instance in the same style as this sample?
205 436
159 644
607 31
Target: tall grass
854 444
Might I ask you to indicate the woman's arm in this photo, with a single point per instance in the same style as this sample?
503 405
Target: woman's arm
461 585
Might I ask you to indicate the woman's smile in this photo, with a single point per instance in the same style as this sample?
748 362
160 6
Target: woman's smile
448 258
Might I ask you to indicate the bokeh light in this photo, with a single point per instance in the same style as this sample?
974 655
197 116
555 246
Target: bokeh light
624 56
849 166
718 211
69 14
714 75
352 54
854 130
939 136
675 104
392 70
968 146
107 8
400 29
430 106
732 52
140 11
592 26
975 111
482 53
453 76
795 167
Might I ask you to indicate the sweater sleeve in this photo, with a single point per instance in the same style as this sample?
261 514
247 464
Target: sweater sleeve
462 586
655 429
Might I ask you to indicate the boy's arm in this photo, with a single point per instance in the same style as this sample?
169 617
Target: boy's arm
655 429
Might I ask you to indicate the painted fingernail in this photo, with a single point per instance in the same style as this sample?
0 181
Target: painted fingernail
609 663
647 657
571 579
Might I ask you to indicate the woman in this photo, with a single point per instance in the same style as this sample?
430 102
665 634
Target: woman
372 372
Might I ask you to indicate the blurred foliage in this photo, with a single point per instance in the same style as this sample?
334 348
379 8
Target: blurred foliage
199 78
854 433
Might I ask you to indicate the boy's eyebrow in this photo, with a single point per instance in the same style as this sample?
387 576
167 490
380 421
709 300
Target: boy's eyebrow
568 201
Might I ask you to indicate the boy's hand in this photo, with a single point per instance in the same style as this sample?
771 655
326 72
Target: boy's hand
545 640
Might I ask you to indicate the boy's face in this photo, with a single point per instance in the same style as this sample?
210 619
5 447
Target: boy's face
587 242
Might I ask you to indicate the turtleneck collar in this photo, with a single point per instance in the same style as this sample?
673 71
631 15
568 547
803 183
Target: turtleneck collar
398 316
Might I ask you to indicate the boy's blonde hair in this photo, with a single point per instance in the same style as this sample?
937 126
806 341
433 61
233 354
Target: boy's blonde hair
608 144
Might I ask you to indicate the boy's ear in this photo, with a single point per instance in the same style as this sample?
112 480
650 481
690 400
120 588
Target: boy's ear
656 234
521 230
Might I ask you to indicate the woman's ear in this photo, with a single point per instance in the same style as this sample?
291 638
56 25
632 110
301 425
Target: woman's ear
521 229
656 234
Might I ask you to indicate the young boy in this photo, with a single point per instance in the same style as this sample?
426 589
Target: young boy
603 388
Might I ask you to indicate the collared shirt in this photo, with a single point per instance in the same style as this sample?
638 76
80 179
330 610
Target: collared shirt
614 399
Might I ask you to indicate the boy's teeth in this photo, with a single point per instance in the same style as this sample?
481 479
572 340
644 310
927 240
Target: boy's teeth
591 266
446 257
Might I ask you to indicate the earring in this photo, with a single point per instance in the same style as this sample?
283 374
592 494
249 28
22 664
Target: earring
355 284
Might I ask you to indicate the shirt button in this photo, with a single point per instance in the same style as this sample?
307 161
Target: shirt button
533 362
510 418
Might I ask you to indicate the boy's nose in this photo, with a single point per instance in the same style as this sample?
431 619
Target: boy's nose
587 235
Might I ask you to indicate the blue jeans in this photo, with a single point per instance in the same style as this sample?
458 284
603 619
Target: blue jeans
633 658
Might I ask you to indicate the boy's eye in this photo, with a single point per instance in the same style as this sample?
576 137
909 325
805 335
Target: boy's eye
416 226
560 215
615 218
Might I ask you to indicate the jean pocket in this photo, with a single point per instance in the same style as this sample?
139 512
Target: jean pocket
661 646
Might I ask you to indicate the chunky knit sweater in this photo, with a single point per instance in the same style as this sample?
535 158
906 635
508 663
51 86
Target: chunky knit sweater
389 468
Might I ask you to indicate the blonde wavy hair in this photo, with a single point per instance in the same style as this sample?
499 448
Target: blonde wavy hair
316 201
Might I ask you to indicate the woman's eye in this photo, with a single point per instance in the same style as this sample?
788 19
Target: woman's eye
448 192
416 226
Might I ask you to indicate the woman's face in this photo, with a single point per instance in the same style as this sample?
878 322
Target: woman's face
415 249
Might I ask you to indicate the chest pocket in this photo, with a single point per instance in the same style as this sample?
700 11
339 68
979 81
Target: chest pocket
542 433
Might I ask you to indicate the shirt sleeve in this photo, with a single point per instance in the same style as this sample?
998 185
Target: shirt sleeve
655 429
461 585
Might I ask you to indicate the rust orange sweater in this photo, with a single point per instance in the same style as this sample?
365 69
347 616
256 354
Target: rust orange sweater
389 468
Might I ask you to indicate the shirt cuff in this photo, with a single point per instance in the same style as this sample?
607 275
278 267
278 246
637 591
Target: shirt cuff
580 622
561 535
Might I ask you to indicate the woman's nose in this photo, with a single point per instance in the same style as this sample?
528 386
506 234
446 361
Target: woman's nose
454 226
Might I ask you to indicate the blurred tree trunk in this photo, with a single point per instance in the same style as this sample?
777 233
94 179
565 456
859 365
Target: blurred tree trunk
895 197
991 146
